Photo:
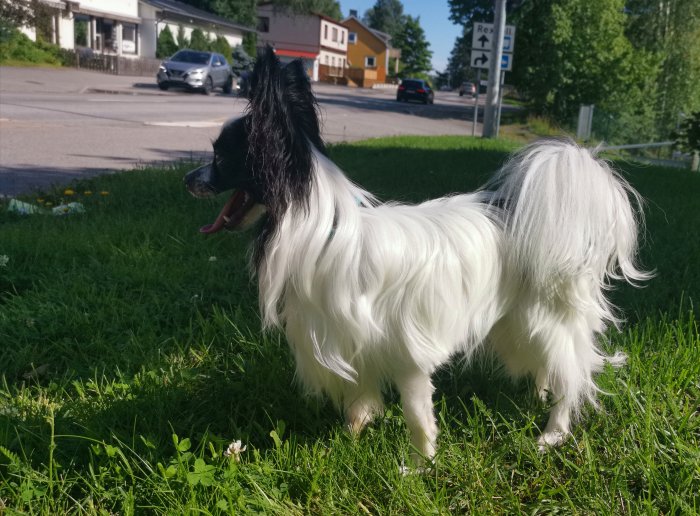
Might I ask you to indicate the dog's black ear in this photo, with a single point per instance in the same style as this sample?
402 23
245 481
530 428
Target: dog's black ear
265 72
302 102
282 133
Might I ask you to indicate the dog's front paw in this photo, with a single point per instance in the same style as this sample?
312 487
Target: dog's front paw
550 439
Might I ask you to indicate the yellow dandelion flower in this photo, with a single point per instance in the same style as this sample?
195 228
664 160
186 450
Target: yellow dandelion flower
104 192
68 191
40 200
87 192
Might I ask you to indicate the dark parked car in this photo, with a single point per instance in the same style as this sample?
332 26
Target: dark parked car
467 88
194 69
415 89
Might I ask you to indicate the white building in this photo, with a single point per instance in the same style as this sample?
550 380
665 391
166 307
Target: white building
314 38
130 28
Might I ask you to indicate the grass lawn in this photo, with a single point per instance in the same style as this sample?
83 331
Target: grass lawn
131 357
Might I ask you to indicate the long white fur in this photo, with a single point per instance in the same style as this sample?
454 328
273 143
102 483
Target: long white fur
370 293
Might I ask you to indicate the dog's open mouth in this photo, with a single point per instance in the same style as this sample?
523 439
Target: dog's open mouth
238 213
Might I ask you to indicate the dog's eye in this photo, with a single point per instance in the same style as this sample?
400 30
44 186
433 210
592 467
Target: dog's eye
216 161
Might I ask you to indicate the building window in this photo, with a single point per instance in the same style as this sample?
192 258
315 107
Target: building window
129 38
105 35
325 58
370 62
335 34
352 37
263 24
342 37
333 61
325 32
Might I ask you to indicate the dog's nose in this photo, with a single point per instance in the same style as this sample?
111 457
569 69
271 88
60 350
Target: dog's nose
197 182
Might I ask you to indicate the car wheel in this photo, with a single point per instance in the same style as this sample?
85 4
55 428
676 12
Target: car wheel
163 86
228 86
208 86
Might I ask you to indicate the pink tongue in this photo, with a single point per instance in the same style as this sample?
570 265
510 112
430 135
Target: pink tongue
237 197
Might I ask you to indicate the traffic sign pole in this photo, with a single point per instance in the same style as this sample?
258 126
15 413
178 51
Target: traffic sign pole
493 92
476 100
500 103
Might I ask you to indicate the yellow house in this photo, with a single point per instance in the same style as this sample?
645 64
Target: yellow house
369 51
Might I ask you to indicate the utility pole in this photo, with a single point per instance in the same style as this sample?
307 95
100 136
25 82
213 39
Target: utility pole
494 85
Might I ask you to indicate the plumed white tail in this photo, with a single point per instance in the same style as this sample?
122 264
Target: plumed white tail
568 215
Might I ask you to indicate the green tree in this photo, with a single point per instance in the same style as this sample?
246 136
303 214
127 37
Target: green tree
250 43
222 46
17 13
572 52
165 46
465 12
198 41
415 49
330 8
386 16
458 69
670 29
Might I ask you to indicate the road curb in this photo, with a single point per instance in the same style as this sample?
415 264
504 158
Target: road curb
116 91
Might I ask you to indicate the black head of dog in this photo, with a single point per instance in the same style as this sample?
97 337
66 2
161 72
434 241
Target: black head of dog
265 157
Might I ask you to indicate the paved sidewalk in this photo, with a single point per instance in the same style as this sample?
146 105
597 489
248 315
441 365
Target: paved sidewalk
68 80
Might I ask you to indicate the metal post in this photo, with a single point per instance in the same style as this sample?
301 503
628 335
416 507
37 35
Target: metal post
500 103
499 28
476 100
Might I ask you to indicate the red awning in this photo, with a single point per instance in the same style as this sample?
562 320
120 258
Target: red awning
295 53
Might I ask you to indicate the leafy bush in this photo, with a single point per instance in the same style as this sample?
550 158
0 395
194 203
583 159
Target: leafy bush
221 45
198 41
166 45
17 48
240 61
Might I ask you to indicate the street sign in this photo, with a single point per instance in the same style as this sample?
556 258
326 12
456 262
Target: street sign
482 59
482 37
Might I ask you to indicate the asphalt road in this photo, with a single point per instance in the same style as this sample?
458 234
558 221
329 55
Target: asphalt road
61 124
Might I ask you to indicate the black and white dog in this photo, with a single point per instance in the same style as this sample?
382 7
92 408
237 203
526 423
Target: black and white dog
371 293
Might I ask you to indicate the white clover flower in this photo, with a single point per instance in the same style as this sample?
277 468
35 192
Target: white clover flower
4 259
234 450
212 258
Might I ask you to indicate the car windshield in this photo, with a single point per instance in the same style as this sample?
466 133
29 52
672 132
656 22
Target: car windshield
412 84
188 56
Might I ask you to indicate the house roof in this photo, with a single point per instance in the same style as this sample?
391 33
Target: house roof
381 36
179 10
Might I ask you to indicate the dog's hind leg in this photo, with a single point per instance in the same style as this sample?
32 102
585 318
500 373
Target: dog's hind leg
570 358
362 402
416 392
559 352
